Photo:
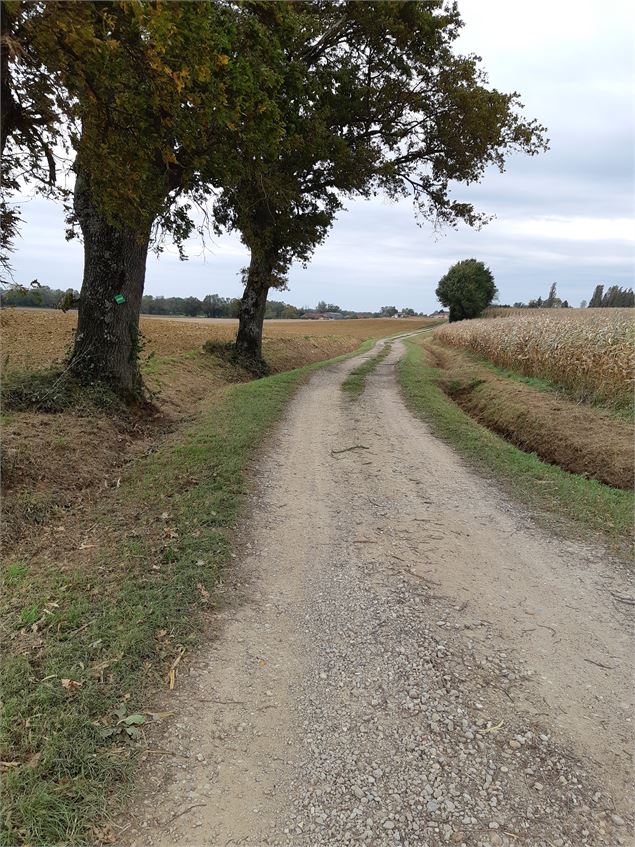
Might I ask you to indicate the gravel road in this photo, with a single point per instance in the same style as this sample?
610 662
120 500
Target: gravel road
402 657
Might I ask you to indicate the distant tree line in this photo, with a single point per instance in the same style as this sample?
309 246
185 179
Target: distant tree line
211 306
615 296
39 297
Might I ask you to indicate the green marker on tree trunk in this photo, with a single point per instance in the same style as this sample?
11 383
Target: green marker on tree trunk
119 298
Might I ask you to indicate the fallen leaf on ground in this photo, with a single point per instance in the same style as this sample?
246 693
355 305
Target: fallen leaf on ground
159 716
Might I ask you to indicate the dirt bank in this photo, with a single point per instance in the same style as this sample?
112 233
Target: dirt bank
577 437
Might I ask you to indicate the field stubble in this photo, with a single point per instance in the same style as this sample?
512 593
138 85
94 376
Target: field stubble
36 338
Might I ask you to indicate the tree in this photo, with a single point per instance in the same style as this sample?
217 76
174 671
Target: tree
617 297
596 300
31 115
323 307
213 306
373 100
158 90
583 304
191 307
388 311
408 312
290 312
467 288
552 301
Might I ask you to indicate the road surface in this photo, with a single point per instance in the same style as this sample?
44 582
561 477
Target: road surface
402 657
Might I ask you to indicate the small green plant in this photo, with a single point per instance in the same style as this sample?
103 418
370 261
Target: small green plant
14 574
126 724
29 615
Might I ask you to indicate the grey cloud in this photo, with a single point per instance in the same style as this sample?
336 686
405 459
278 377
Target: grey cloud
572 64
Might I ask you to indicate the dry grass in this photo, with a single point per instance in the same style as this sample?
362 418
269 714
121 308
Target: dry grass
589 352
35 338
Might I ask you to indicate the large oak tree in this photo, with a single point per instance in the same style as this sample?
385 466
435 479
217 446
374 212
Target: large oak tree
158 106
150 96
375 100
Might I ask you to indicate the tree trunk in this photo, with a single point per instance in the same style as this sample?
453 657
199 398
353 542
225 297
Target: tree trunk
252 311
107 340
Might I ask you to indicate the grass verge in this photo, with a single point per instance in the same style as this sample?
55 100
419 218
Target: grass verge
591 504
355 382
92 634
620 413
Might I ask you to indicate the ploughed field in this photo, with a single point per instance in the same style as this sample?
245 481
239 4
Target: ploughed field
35 338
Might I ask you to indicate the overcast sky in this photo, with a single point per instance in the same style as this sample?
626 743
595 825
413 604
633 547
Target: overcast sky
565 216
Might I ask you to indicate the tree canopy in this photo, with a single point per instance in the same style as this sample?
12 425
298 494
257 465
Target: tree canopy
467 289
279 111
374 100
614 297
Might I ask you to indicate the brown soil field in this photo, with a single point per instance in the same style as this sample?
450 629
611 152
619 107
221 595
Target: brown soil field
579 438
34 338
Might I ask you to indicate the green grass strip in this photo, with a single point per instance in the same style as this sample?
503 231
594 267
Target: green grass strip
114 630
355 382
592 505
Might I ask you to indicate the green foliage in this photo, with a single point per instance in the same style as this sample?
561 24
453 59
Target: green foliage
370 101
31 111
467 288
614 297
39 296
596 299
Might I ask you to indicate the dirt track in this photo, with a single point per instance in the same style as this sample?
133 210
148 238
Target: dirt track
403 657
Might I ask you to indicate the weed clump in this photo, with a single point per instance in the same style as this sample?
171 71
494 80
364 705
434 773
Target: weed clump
56 390
227 352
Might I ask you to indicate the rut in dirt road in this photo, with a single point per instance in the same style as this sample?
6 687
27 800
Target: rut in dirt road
403 658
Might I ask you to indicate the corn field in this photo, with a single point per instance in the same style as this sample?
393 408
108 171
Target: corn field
590 352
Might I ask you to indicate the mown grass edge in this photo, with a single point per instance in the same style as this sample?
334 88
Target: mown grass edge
593 507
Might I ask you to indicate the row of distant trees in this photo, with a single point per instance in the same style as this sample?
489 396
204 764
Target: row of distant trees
615 297
210 306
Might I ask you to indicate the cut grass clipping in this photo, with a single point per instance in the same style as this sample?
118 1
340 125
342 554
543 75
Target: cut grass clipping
355 382
90 645
592 504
